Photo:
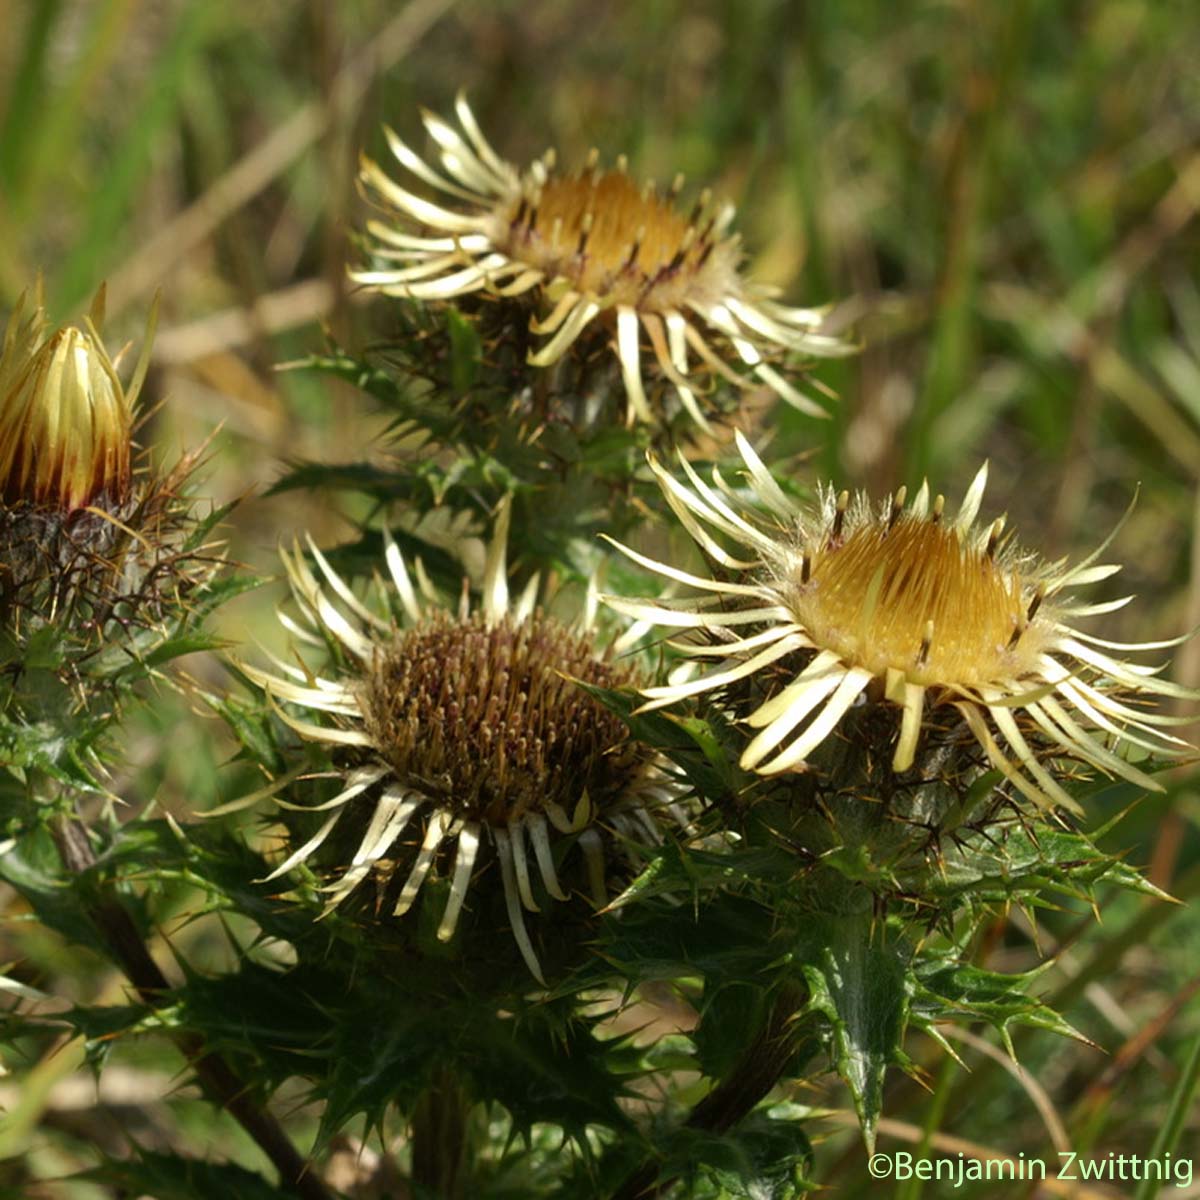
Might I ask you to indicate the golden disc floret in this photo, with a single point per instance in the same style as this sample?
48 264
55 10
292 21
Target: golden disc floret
911 595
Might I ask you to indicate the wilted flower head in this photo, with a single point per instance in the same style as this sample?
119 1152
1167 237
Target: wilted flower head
905 605
65 418
470 724
593 246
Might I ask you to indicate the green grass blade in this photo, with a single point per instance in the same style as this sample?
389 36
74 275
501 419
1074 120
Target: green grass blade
19 132
110 208
70 110
1168 1135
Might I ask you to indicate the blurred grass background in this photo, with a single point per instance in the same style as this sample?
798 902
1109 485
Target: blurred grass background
1000 199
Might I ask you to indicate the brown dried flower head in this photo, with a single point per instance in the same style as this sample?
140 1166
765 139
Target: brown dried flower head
471 725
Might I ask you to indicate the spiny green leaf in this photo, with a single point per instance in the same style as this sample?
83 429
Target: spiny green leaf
175 647
761 1159
945 986
387 388
251 725
859 984
172 1177
465 351
33 868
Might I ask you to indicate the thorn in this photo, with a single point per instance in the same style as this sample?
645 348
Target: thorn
702 203
593 160
935 514
676 186
550 158
622 164
898 499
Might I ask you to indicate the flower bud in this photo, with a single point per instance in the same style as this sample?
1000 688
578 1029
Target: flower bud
65 418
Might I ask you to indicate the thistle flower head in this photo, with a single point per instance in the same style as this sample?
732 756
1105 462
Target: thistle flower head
469 724
903 604
65 418
92 545
593 247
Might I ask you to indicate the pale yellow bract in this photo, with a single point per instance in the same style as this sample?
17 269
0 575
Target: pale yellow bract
594 246
902 603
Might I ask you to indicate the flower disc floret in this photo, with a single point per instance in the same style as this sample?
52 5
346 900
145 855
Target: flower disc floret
486 715
912 596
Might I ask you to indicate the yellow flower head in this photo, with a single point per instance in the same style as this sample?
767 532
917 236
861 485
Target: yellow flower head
903 604
592 246
470 726
65 418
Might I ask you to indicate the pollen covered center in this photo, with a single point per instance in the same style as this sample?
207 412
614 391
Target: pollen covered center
912 597
481 717
609 238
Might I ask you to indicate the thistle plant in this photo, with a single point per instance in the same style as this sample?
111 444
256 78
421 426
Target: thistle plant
599 706
106 566
108 571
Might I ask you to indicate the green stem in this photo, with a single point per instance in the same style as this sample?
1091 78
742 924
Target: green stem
217 1078
1168 1135
736 1096
439 1139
